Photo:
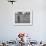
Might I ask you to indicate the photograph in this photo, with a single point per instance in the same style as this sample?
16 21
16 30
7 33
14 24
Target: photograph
23 18
22 22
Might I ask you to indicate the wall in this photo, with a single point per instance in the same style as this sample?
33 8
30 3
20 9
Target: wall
9 31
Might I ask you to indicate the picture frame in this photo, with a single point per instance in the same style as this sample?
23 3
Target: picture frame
24 18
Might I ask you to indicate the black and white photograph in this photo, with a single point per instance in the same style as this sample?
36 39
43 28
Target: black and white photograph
23 18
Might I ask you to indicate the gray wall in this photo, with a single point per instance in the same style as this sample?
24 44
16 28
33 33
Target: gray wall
9 31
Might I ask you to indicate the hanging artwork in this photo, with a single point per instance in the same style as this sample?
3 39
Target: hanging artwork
23 18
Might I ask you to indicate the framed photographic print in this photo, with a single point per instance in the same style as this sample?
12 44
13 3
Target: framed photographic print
23 18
